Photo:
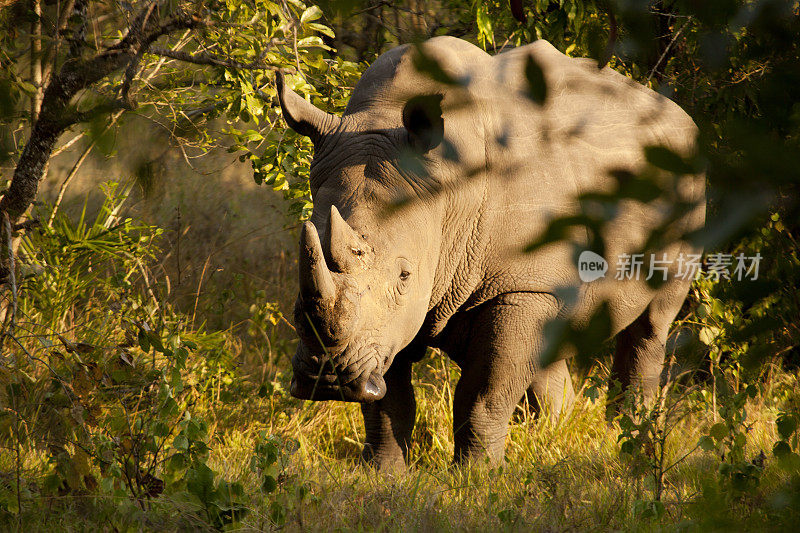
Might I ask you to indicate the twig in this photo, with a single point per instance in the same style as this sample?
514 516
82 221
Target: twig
199 286
667 49
110 106
27 225
75 168
66 182
69 143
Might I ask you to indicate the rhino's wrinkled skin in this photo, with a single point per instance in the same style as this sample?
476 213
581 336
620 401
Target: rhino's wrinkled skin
447 269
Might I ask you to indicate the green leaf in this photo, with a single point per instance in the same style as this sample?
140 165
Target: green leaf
592 393
628 447
200 482
664 158
155 341
253 135
160 429
269 484
181 442
707 336
180 357
787 425
325 30
312 41
537 86
144 342
485 23
752 391
310 14
277 513
177 461
781 449
507 516
718 431
706 443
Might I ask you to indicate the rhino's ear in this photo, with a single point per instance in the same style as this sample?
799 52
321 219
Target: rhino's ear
301 115
422 118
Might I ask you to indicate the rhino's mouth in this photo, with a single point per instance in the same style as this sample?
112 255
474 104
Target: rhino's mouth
356 374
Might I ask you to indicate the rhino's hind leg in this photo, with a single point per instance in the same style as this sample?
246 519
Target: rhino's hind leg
639 358
499 362
390 421
551 392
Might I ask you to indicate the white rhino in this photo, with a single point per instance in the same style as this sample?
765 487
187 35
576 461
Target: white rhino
491 168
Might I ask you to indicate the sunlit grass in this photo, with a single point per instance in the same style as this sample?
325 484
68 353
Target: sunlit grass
557 475
565 474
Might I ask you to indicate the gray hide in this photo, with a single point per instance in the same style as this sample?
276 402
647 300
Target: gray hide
447 270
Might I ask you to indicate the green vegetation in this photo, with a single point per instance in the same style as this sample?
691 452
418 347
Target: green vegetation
128 405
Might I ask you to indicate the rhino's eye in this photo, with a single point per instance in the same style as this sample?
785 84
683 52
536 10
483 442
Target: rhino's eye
405 267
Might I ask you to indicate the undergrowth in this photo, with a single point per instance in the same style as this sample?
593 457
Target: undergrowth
120 413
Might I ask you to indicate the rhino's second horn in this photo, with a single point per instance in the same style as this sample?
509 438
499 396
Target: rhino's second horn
346 247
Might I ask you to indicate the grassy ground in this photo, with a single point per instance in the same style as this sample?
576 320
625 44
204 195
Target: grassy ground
565 475
557 476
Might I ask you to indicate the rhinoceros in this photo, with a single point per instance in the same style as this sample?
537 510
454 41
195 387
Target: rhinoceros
444 265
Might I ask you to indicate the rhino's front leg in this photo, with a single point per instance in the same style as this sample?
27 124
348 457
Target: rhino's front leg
389 421
499 364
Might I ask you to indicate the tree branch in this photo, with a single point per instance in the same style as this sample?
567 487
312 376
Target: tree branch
206 59
76 75
48 64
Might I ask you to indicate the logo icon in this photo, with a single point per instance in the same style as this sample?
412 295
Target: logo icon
591 266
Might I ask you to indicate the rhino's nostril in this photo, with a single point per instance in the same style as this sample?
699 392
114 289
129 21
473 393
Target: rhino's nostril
372 388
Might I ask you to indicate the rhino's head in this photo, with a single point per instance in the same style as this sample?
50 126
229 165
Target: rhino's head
366 277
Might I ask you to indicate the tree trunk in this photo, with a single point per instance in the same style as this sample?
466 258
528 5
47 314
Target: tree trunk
36 60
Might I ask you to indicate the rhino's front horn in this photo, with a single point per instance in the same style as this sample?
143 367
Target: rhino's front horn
347 248
316 281
301 115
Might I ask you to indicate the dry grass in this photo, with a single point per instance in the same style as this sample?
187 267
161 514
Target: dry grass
566 475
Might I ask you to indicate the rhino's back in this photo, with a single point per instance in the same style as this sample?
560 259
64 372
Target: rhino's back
601 111
540 158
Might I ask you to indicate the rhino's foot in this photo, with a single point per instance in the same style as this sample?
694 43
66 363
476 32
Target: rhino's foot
638 372
384 460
